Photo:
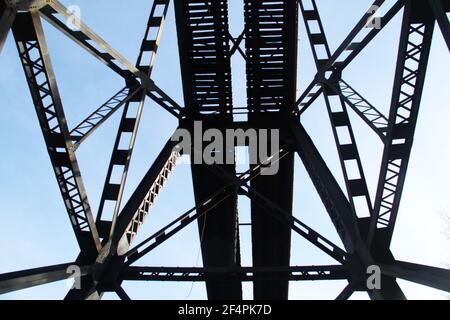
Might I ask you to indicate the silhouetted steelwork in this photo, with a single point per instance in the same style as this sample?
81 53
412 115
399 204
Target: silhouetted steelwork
206 46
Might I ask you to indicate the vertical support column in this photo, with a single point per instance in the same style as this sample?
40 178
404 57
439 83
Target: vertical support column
271 51
206 73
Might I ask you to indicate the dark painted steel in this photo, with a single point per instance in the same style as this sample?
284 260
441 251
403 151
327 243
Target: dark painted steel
35 59
415 43
295 273
24 279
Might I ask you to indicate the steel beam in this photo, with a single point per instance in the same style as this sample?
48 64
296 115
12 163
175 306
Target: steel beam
86 127
347 148
130 120
390 290
35 59
24 279
204 56
57 15
271 34
307 98
414 49
121 293
348 45
364 109
97 47
237 44
295 273
204 50
218 230
296 225
88 290
335 201
111 258
347 292
440 10
338 208
282 215
429 276
7 16
140 202
177 225
302 229
356 47
165 101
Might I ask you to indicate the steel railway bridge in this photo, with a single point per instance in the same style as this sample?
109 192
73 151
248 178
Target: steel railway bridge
268 44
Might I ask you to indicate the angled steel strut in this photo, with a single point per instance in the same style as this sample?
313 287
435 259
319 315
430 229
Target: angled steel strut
337 110
415 43
35 59
129 123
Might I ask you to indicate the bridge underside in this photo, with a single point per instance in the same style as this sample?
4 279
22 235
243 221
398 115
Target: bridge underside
206 46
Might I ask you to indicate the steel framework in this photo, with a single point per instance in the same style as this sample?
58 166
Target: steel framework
205 49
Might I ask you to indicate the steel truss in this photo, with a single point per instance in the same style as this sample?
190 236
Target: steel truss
107 253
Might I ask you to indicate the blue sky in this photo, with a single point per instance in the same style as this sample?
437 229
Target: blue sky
35 230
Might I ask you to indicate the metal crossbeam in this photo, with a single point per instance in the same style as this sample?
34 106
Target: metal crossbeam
307 98
39 73
237 44
86 127
57 15
338 208
164 100
281 214
415 43
131 218
296 273
429 276
177 225
203 36
191 215
271 33
364 109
